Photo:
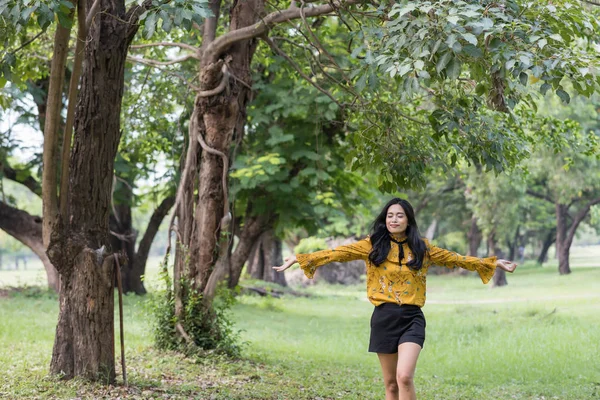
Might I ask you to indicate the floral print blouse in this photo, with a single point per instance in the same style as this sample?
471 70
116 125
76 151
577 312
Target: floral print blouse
393 281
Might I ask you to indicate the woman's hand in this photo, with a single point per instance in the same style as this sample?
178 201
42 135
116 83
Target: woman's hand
506 265
289 261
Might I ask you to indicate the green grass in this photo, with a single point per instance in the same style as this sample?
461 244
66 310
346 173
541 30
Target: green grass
537 338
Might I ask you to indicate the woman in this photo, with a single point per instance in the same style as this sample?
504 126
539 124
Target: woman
397 261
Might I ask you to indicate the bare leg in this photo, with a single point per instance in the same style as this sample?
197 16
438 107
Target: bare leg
408 353
389 363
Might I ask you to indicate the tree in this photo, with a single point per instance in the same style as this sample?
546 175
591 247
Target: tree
500 207
16 72
568 180
79 242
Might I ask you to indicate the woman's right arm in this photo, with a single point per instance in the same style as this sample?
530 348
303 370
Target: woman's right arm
310 262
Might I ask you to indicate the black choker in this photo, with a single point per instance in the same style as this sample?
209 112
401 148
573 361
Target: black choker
399 242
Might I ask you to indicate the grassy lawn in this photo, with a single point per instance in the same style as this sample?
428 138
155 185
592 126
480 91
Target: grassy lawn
537 338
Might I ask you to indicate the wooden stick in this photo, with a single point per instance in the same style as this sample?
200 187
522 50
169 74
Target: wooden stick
120 286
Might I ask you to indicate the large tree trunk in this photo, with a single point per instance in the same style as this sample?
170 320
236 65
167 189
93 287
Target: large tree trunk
474 236
266 254
123 236
565 233
253 228
500 275
138 264
217 117
27 229
217 114
562 247
548 241
84 342
513 244
430 232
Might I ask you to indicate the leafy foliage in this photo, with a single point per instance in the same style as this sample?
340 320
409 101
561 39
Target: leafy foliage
291 160
522 42
210 329
463 79
176 13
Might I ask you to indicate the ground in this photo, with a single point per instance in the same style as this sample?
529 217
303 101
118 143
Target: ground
537 338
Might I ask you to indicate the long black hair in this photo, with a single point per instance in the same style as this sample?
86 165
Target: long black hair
380 236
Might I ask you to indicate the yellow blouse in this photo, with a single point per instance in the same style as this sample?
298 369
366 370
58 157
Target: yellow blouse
393 281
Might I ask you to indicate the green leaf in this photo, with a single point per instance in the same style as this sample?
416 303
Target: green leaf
436 46
523 78
494 43
525 60
473 51
361 83
544 88
469 37
150 25
564 96
65 19
443 61
45 16
403 70
27 13
201 11
541 43
453 69
453 19
167 24
402 10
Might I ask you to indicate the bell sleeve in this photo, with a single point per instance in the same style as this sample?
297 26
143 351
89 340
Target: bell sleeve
485 267
350 252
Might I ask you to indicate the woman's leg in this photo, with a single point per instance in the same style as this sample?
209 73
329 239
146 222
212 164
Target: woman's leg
408 353
389 363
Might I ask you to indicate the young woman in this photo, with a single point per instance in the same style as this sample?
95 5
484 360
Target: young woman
397 259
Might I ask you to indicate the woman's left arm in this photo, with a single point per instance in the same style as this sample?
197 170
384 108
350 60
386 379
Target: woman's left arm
485 267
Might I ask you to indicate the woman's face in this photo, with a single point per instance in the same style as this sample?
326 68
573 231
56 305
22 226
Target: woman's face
395 220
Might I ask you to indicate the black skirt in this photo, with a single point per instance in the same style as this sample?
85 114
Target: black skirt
393 324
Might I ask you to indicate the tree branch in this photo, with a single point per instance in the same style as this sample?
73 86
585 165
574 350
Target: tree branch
209 30
277 50
539 196
156 63
24 179
219 45
168 44
82 31
153 225
27 43
91 14
579 217
321 48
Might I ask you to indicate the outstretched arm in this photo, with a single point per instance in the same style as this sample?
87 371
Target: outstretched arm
485 267
310 262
